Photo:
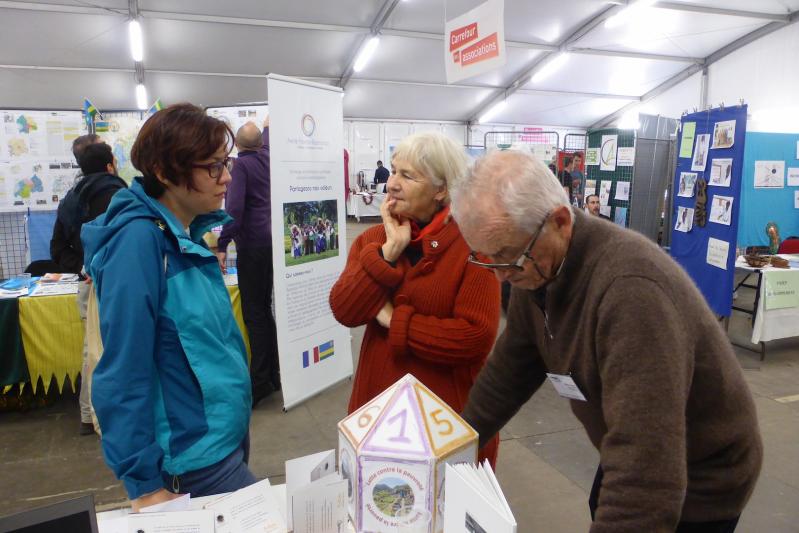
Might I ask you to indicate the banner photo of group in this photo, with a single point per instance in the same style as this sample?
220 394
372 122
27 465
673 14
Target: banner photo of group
311 231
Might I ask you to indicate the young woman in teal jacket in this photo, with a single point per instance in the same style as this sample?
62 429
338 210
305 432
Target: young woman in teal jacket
172 389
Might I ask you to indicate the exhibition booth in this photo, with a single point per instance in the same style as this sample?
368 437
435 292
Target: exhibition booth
677 116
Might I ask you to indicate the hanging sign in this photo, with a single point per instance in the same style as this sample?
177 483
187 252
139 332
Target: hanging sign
475 41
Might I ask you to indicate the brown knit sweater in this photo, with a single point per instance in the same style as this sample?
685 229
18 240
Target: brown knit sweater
667 405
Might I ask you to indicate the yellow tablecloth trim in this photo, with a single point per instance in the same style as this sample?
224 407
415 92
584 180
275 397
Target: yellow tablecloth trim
52 334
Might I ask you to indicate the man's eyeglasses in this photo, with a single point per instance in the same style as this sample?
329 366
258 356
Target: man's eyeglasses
215 170
485 262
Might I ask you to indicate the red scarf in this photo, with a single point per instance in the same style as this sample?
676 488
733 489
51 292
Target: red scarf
433 227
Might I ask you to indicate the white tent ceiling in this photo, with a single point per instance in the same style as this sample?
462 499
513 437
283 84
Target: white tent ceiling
55 52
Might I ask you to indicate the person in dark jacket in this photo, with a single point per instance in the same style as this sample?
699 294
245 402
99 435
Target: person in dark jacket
248 201
88 199
381 176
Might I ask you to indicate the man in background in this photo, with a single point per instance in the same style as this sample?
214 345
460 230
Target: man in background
85 201
565 176
592 206
578 176
249 202
381 176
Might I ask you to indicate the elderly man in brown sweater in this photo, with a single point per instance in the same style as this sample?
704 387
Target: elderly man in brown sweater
620 330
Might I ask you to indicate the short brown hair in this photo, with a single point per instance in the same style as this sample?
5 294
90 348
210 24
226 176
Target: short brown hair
172 140
80 144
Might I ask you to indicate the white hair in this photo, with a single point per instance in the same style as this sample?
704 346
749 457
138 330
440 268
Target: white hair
516 181
440 158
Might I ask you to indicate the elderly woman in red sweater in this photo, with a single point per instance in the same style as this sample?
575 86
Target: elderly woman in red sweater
427 310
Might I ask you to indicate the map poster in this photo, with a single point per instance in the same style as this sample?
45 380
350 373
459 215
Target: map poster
120 136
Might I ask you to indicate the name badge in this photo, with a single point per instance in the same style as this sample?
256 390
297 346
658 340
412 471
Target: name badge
566 386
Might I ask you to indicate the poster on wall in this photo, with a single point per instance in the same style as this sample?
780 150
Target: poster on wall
700 152
793 177
604 192
590 187
769 174
720 172
687 183
626 156
120 136
592 156
721 210
475 41
236 116
687 140
620 217
622 191
685 219
717 252
36 162
796 199
607 152
724 134
306 139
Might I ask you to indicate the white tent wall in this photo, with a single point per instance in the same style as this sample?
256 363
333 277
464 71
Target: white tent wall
368 141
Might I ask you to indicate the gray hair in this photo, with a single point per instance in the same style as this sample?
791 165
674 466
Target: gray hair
440 158
516 181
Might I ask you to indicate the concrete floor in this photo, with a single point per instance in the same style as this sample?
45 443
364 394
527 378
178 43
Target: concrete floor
546 463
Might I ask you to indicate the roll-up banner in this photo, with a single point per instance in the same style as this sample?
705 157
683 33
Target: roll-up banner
308 234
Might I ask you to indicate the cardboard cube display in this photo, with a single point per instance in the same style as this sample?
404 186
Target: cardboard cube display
393 453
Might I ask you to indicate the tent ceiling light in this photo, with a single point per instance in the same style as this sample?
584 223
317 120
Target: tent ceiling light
141 96
629 13
136 40
552 66
366 53
493 111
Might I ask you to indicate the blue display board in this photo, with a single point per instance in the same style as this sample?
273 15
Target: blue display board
760 206
690 248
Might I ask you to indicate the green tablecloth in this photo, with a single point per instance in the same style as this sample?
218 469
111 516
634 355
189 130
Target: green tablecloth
13 366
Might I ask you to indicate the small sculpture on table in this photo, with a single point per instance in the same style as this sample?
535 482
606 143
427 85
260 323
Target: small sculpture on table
773 234
393 452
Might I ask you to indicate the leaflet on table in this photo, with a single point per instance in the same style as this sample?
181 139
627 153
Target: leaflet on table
180 521
51 277
252 509
54 289
308 234
474 501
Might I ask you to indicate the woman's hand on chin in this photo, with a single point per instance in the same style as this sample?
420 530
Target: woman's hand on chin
398 231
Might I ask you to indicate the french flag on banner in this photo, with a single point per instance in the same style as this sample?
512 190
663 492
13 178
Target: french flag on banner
320 353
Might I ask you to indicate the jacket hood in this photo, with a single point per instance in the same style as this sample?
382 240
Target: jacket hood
133 203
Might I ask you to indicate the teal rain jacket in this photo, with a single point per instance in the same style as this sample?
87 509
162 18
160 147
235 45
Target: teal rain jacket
172 389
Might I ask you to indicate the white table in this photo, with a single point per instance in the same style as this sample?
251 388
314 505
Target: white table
769 324
358 207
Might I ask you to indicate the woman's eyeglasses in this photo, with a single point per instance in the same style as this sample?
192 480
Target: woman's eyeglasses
215 170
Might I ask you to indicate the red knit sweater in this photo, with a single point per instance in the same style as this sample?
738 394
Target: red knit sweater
446 315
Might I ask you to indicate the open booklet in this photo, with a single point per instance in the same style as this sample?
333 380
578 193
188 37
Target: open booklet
474 502
316 494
